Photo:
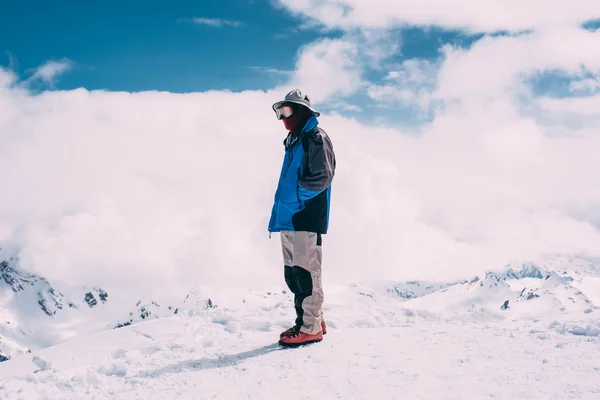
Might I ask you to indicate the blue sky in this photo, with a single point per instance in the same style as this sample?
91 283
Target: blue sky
194 46
123 46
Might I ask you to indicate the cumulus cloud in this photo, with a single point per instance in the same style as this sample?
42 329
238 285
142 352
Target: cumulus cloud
162 191
411 84
334 68
495 66
472 15
328 67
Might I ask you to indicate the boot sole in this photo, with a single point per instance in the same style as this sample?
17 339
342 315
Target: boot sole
294 345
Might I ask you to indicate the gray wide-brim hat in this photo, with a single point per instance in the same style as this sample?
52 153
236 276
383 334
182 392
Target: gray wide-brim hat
298 97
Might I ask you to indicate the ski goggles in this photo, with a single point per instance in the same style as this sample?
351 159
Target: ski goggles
285 111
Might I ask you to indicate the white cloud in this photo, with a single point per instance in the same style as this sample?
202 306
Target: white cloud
585 85
155 191
411 84
217 22
332 68
578 106
474 15
7 78
495 66
549 39
326 68
166 190
50 71
270 71
343 106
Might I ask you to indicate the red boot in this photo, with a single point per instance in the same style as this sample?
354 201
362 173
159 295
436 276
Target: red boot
300 339
293 330
288 332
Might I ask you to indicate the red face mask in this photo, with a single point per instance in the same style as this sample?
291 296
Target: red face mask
295 120
291 122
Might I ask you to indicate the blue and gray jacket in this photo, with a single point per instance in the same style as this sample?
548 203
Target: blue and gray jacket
302 200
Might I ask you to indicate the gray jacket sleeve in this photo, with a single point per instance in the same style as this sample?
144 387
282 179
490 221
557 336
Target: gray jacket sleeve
318 167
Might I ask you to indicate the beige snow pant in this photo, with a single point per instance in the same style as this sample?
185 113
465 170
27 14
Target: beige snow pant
302 257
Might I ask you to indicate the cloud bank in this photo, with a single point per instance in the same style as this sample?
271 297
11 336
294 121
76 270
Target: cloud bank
164 191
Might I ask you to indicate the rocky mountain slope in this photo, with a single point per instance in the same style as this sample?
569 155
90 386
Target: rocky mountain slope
33 309
36 313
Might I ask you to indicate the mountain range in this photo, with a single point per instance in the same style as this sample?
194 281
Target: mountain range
36 314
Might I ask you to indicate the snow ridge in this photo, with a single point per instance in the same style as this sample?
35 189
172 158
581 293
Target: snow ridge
415 289
196 301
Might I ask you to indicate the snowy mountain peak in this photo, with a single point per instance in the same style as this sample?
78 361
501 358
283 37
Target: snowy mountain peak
197 301
490 281
554 279
557 292
526 270
196 296
145 310
563 265
49 300
574 267
15 279
416 289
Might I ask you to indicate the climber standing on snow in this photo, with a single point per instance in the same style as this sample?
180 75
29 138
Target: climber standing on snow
301 213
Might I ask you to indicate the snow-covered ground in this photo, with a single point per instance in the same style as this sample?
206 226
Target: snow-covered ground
232 354
501 335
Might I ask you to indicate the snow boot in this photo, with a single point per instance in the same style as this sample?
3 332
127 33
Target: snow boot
288 332
293 330
297 339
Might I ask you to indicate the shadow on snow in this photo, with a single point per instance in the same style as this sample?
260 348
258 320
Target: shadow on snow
211 363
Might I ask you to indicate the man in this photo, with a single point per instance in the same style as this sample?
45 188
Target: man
301 213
